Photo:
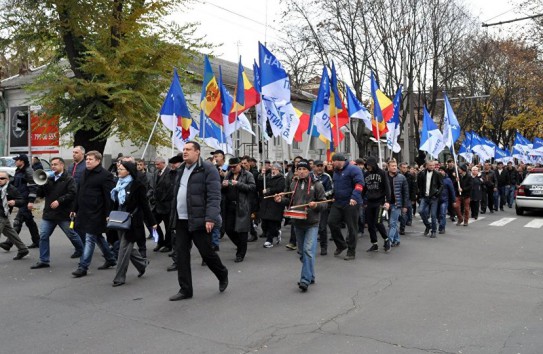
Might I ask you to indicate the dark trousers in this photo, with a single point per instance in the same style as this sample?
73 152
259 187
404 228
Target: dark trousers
183 245
372 216
323 231
271 229
238 238
164 240
25 216
474 206
349 215
488 199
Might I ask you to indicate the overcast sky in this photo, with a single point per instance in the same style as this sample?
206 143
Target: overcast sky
240 24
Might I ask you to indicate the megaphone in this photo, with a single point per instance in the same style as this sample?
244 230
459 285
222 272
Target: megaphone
40 177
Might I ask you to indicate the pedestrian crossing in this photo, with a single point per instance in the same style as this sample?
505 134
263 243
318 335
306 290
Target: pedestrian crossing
536 223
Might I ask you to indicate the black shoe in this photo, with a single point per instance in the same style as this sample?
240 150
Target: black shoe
180 296
76 255
262 236
402 232
140 274
238 259
373 248
492 211
165 249
395 244
117 283
157 248
107 265
216 248
349 257
39 265
441 232
386 245
5 246
223 284
171 254
426 231
303 286
501 209
483 212
324 251
408 224
78 273
35 245
338 251
172 268
21 254
433 235
253 238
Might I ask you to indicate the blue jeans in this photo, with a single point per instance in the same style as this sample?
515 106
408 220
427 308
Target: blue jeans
510 195
90 241
307 248
443 208
46 230
428 208
501 196
393 232
215 236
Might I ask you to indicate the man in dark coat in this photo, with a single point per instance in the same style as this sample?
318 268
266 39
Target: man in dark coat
162 187
463 195
430 184
92 207
238 188
59 192
24 182
195 211
271 213
10 197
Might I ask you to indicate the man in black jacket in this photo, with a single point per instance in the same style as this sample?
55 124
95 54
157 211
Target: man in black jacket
162 202
430 184
24 182
59 192
10 197
92 206
238 188
463 195
195 211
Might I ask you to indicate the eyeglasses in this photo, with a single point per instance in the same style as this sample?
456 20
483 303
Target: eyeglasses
232 167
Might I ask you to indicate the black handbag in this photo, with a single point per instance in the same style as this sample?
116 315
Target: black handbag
120 220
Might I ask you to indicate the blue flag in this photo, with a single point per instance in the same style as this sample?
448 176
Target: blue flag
451 127
274 81
357 110
431 139
256 76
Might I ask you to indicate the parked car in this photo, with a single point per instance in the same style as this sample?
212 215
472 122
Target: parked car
529 196
7 164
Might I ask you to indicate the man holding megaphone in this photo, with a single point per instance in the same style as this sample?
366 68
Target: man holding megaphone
59 191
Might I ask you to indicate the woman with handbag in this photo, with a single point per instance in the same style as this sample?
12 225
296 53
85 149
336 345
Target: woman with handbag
131 208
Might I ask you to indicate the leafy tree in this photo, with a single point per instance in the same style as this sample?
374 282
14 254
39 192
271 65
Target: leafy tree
110 61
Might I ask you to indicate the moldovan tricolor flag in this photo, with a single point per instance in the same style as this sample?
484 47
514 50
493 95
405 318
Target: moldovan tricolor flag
210 100
383 109
245 94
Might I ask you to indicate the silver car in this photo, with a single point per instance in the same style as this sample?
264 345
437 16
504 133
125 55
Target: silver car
530 194
7 164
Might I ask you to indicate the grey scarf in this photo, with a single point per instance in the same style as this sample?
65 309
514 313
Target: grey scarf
4 198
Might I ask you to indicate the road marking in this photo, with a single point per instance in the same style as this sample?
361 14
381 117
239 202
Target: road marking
502 222
535 224
471 220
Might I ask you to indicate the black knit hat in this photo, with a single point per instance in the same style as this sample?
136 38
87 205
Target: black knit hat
303 164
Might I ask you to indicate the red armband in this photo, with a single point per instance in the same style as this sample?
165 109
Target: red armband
358 187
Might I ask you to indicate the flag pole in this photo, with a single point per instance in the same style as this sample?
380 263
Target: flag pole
337 130
261 142
455 163
378 142
150 136
173 136
309 136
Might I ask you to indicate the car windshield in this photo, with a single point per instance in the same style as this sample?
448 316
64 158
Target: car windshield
534 178
7 162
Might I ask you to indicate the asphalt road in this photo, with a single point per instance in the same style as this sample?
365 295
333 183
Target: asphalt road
477 289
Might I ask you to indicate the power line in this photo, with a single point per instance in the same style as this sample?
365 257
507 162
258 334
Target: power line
503 13
513 20
240 15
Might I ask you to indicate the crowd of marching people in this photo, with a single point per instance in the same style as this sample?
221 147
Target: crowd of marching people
194 199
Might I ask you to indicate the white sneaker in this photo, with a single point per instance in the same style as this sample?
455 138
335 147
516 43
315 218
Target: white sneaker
278 238
268 244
